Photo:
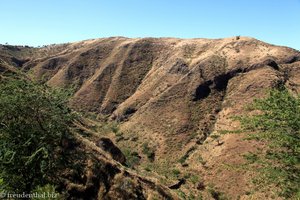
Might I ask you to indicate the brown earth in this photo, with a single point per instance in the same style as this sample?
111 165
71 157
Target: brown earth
168 96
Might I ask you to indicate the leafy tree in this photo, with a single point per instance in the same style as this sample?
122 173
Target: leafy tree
278 124
34 123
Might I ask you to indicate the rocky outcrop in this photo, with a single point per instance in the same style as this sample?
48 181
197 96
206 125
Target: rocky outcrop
107 145
91 174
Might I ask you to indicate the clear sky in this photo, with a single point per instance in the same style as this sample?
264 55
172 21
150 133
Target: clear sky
39 22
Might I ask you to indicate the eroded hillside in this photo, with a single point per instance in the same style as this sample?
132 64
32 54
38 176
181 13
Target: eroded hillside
168 97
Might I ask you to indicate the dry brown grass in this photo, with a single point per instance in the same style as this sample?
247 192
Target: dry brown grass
171 93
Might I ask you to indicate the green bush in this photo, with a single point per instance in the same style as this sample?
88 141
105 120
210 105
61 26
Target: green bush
149 152
34 122
132 158
176 172
278 124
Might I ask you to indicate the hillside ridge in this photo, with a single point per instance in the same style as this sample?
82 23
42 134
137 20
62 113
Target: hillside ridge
168 95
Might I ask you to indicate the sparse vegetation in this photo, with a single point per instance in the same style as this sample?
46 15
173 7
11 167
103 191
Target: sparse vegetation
186 155
217 195
114 127
183 159
217 138
194 179
201 160
132 158
149 152
119 136
181 194
176 172
157 99
251 157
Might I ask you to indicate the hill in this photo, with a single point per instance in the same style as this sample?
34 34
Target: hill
169 99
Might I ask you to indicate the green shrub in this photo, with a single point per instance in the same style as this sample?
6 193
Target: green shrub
149 152
186 155
278 124
194 179
34 122
181 194
132 158
114 127
201 160
176 172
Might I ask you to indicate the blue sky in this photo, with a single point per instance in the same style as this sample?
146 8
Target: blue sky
38 22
